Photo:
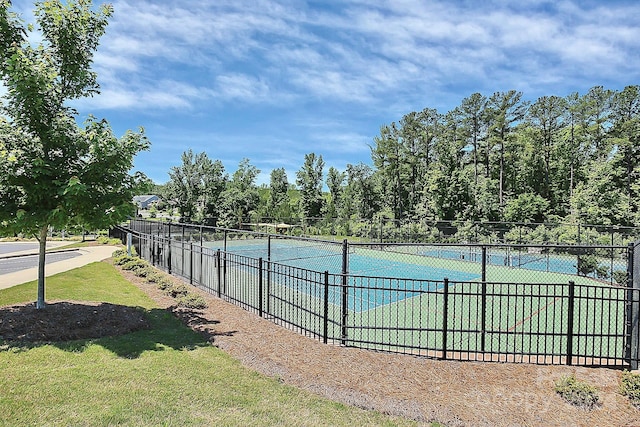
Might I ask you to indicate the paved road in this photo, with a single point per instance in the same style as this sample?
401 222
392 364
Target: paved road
9 265
14 272
6 248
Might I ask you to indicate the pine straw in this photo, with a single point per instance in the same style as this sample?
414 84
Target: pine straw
450 392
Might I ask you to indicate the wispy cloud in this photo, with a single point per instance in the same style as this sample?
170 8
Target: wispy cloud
273 79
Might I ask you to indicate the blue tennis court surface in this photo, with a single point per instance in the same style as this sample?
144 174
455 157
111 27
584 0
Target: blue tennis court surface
531 261
329 258
387 281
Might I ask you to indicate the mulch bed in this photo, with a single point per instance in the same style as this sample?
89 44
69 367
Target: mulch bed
69 320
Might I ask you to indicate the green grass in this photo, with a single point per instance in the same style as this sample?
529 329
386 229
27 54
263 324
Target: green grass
164 376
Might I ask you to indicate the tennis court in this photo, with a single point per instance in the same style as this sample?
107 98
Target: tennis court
403 299
400 305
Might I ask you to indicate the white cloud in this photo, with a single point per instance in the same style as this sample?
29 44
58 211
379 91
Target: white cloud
241 87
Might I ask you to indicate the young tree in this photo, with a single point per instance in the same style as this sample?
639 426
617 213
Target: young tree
278 202
241 196
363 199
386 154
196 185
309 179
56 172
214 180
335 181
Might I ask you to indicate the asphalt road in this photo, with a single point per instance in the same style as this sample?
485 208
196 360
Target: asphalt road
10 265
7 248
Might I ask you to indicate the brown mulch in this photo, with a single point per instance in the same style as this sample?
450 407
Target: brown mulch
69 320
452 393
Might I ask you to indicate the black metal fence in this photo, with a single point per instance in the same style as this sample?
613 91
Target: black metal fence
517 303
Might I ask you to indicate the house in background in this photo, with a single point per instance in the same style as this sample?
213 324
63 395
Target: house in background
145 201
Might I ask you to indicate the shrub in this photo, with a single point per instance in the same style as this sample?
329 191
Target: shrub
133 264
119 253
144 271
164 283
630 387
121 260
120 256
191 300
105 240
576 392
154 276
176 290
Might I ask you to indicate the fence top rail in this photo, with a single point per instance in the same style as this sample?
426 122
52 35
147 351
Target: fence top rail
238 231
492 245
453 223
390 244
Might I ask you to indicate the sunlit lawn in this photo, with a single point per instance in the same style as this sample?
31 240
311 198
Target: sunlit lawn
164 376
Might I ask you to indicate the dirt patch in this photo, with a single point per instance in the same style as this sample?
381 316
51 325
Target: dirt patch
69 320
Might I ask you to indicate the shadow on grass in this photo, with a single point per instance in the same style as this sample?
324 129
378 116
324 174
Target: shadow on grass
126 331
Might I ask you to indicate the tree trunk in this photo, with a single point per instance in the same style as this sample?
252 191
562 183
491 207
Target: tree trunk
42 238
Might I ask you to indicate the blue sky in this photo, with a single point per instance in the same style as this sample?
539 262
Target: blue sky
272 80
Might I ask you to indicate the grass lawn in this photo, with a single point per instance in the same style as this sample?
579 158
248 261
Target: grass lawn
164 376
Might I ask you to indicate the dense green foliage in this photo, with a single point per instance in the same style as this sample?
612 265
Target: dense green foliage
502 158
573 159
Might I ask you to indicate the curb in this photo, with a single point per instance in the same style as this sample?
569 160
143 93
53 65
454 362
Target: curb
37 253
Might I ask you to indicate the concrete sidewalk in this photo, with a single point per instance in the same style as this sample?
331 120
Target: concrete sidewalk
88 255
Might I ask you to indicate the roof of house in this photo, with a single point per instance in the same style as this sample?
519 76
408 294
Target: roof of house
144 198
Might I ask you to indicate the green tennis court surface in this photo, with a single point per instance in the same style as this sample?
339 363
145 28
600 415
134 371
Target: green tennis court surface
525 314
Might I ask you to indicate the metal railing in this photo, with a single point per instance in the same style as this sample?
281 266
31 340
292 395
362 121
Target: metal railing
583 320
386 230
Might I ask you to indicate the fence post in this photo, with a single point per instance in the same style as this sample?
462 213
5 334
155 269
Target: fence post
268 274
484 300
169 252
325 326
260 286
570 312
445 315
218 268
129 239
224 273
201 255
191 263
345 297
182 257
633 310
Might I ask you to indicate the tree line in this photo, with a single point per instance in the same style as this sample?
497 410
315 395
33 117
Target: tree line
572 159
